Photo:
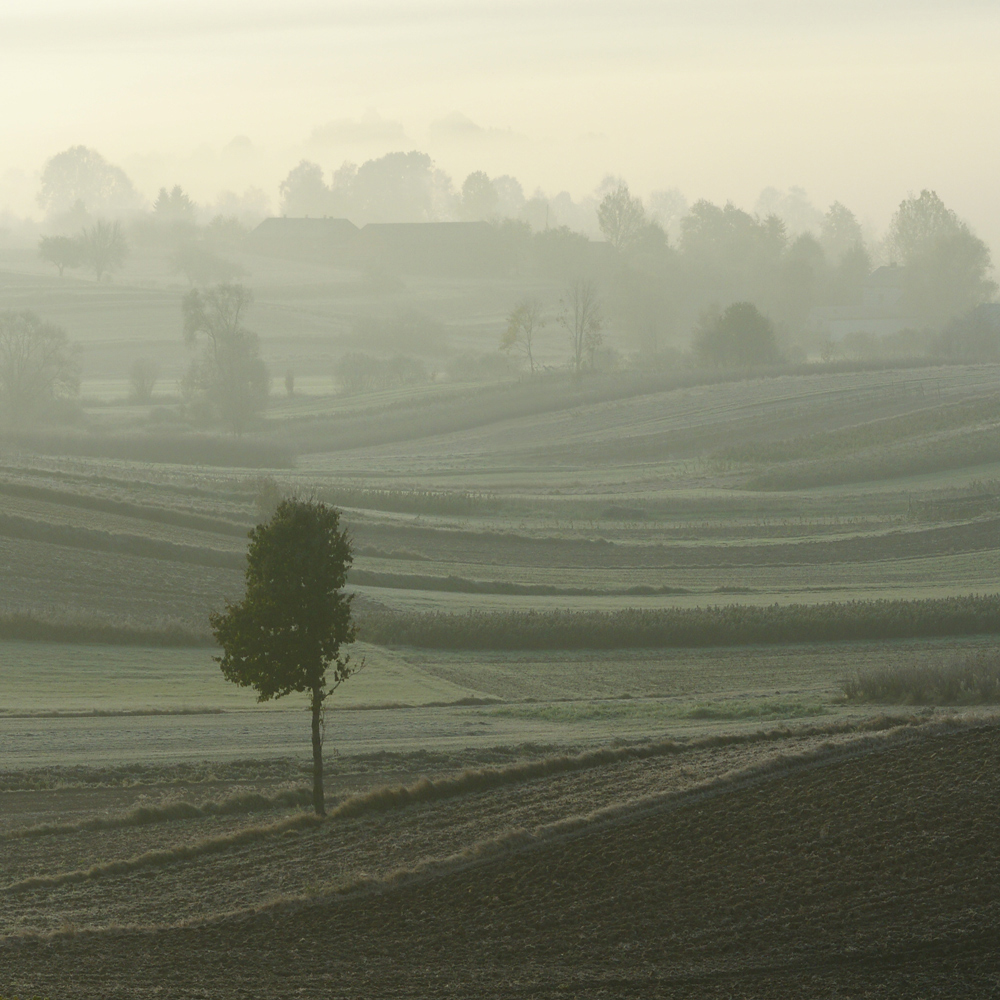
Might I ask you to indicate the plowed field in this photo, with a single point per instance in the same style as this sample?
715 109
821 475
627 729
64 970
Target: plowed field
810 863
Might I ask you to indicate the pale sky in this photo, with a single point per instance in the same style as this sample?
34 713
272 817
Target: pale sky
857 101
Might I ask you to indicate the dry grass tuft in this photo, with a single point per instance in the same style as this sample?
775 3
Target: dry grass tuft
972 680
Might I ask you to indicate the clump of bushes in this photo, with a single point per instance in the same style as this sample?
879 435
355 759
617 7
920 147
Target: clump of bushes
970 680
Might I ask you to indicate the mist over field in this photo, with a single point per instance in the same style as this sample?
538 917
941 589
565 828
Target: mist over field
619 385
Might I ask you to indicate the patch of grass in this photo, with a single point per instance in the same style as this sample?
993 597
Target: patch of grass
971 680
570 712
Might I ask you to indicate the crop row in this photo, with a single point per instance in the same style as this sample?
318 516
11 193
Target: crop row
872 434
732 625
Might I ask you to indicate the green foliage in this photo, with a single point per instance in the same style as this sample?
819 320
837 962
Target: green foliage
740 338
229 381
622 218
63 251
731 625
972 680
37 366
289 628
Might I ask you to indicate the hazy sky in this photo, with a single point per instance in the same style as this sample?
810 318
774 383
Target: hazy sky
860 101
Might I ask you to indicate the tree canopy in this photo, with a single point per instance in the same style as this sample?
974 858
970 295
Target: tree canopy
739 337
228 382
37 366
287 633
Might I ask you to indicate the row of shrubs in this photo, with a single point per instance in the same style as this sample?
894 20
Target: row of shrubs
730 625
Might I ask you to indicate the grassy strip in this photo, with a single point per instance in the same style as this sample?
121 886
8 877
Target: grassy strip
96 540
126 508
656 709
239 804
165 448
463 585
957 451
972 680
645 628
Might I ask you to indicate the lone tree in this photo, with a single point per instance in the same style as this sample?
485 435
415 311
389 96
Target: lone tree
103 247
63 251
229 381
287 632
523 323
582 320
622 218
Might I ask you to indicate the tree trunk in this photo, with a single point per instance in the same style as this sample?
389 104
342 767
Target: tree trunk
317 707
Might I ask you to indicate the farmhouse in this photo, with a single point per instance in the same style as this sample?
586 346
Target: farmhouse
879 313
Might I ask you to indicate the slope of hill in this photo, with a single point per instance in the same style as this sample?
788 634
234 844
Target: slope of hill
859 866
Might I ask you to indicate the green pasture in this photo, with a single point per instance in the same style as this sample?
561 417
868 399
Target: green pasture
41 677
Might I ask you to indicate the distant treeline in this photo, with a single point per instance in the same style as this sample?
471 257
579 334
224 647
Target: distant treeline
732 625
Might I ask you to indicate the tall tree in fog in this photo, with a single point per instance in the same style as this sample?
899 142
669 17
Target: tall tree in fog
174 207
840 232
581 318
398 187
523 323
82 175
287 633
947 265
228 382
103 247
37 366
621 218
479 197
304 192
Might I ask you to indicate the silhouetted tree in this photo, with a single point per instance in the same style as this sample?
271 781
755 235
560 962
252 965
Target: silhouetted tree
582 320
523 323
304 192
741 337
840 233
621 218
63 251
229 381
287 632
82 175
479 197
947 266
37 366
142 376
104 248
174 207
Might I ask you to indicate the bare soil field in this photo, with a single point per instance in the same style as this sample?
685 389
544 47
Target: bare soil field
842 860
